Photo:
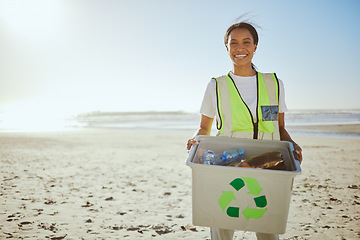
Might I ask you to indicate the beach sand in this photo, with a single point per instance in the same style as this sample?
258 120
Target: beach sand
132 184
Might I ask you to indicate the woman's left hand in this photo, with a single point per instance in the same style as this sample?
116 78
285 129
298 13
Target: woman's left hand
298 151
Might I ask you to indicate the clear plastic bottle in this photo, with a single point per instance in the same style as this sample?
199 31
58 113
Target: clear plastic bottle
230 156
209 157
227 157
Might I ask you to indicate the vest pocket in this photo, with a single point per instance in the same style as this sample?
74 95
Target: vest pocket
270 113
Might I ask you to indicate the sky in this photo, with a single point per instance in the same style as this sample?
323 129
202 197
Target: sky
74 56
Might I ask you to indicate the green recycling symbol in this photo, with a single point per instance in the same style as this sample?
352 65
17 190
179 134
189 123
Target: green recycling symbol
254 189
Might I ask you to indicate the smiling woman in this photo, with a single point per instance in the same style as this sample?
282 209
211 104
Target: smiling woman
246 103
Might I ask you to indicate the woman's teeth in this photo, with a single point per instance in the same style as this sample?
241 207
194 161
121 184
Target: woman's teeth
240 56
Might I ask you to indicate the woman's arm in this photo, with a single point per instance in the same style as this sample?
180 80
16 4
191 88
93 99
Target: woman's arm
285 136
205 129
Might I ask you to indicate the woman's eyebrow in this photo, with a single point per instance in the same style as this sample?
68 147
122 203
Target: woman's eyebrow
233 39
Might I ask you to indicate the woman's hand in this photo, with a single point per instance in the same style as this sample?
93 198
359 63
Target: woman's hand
285 136
298 151
191 142
205 128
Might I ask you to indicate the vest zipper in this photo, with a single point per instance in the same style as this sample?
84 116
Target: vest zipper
255 124
256 130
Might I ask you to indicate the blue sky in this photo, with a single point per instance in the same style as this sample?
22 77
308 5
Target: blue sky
76 56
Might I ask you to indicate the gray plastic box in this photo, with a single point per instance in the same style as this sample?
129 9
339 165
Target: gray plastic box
237 198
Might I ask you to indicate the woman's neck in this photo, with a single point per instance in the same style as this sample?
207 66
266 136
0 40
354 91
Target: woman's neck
247 71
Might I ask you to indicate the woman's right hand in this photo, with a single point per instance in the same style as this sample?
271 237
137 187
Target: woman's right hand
205 128
191 142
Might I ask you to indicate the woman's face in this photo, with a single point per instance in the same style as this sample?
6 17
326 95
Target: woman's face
241 47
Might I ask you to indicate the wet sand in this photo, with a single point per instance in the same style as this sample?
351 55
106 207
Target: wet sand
128 184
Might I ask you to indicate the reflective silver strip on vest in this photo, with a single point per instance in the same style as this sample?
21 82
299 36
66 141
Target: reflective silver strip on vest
226 116
271 88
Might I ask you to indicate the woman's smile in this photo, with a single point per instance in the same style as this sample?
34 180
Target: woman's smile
241 56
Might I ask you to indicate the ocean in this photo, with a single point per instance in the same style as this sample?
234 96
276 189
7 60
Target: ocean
174 121
183 121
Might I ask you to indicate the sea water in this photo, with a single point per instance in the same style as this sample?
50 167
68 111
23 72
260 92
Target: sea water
190 121
179 121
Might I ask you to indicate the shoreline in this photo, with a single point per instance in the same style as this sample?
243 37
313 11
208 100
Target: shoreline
336 128
351 131
326 130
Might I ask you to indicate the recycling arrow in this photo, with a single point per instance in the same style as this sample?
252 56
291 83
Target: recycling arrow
233 211
253 213
226 199
254 189
260 201
237 183
253 186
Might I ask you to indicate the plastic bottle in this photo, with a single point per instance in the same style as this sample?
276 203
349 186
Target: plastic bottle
227 157
230 156
209 157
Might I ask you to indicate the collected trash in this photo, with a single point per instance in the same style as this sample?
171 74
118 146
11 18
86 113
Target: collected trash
236 158
270 160
226 158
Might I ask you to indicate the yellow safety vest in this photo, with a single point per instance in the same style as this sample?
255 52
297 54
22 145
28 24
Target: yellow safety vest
234 116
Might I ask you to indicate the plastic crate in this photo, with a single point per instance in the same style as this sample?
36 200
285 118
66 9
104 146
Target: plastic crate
238 198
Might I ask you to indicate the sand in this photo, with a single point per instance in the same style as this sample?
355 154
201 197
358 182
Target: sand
132 184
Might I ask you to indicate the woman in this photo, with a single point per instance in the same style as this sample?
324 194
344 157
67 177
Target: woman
246 103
